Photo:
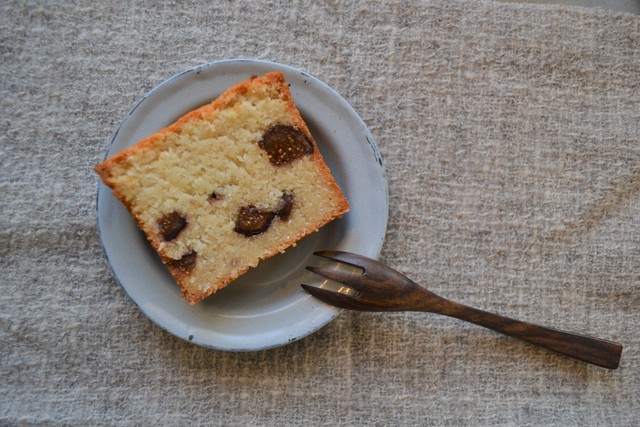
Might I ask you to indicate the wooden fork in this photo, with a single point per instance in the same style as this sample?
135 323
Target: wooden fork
381 288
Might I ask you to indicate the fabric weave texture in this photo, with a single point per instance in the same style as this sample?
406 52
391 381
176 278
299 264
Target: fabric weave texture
510 136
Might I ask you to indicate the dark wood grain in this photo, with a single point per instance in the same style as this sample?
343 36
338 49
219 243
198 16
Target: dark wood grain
381 288
582 347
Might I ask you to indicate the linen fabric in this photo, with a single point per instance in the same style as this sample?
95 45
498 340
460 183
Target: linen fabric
510 139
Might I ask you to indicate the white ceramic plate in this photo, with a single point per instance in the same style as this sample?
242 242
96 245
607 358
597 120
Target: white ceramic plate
266 307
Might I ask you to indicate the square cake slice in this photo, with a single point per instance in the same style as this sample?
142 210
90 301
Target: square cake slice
227 185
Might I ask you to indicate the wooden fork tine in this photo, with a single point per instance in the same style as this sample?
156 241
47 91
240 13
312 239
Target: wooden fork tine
352 280
345 257
374 270
337 299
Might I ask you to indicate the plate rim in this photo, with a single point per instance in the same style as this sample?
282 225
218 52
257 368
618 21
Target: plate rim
331 312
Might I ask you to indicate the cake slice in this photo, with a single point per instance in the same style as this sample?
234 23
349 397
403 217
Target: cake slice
227 185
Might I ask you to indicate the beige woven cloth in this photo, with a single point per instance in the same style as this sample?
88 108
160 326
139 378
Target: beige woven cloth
510 136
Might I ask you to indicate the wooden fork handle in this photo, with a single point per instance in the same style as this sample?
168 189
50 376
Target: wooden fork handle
588 349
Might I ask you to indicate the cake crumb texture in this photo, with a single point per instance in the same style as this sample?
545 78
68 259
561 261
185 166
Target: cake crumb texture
227 185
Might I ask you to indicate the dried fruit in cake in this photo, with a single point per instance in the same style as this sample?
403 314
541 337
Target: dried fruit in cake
227 185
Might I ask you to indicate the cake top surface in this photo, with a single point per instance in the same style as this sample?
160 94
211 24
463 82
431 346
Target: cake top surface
228 184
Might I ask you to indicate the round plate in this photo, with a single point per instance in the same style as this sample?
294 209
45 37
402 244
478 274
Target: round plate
266 307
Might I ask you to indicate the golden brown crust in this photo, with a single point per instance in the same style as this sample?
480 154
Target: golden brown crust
274 80
300 124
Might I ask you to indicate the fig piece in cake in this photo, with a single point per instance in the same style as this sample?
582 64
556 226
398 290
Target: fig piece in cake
186 263
252 221
285 144
286 204
171 225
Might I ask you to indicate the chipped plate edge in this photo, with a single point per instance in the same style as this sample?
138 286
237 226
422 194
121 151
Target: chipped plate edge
366 240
